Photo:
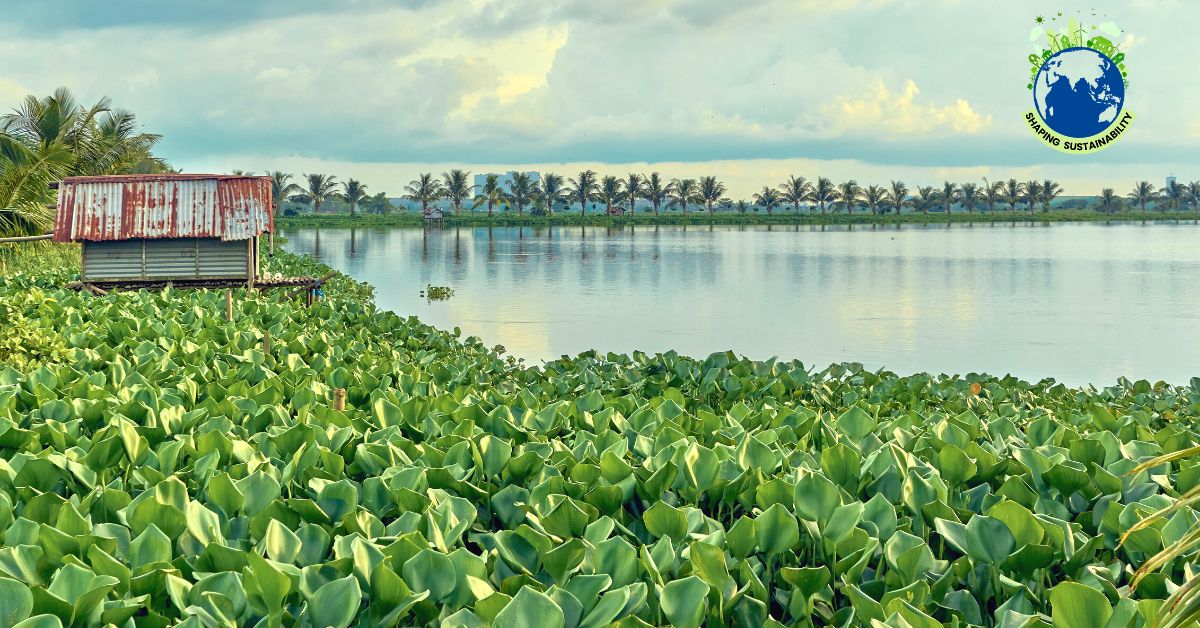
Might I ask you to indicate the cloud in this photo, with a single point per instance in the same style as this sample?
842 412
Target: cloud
889 114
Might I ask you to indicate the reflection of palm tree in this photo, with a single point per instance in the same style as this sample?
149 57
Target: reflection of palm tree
824 193
710 191
682 192
521 190
1143 192
320 188
353 192
768 197
655 190
583 188
425 190
796 190
898 196
491 194
456 187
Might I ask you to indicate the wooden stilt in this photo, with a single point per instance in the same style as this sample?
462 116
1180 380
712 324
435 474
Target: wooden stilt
229 305
339 399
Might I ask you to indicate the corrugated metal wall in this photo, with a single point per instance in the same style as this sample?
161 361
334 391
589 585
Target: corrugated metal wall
130 207
175 259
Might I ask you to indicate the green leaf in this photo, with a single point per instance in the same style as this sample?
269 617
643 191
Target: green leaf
530 609
16 602
777 530
1074 605
684 602
336 603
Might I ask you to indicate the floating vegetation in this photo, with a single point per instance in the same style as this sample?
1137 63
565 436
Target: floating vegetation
167 469
437 293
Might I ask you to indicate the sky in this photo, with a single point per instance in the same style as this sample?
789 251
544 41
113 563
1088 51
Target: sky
750 91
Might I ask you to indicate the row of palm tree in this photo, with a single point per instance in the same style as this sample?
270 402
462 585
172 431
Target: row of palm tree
48 138
319 189
821 195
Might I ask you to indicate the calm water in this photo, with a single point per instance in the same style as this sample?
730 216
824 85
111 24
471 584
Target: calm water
1083 303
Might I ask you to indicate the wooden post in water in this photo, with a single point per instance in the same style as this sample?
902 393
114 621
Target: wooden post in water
267 341
339 399
229 305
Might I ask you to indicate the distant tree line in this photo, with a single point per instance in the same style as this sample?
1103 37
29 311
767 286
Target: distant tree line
615 195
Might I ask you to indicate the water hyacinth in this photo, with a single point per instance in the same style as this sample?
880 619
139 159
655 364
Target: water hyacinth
160 467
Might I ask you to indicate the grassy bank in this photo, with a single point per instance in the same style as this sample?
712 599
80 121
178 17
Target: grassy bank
164 466
730 218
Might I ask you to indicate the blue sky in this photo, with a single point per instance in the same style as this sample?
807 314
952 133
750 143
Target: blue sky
750 91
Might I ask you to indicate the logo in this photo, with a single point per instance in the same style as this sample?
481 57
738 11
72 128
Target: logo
1078 83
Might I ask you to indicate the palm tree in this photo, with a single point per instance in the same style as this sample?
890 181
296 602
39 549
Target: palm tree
552 191
710 191
1143 192
768 198
425 189
824 193
1032 193
281 188
610 193
1108 199
1012 194
655 190
1193 194
897 195
926 197
874 197
969 196
949 195
522 190
991 194
633 189
46 139
742 206
320 188
353 192
1050 191
457 188
796 190
1173 196
683 192
583 188
491 194
848 193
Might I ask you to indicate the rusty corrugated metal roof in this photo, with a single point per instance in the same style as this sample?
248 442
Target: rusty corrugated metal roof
126 207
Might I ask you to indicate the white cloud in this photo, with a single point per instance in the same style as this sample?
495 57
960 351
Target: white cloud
889 114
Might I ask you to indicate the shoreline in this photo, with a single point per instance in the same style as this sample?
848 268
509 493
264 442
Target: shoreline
414 219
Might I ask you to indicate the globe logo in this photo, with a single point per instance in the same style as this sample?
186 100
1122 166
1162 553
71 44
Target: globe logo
1079 92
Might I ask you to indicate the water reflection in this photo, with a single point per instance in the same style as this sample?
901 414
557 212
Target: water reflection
1081 303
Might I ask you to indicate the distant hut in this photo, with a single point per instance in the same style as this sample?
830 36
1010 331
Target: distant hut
435 215
616 210
190 228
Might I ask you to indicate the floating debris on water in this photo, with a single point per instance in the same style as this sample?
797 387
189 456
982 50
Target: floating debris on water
437 293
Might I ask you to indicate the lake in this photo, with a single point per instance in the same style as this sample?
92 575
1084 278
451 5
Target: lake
1082 303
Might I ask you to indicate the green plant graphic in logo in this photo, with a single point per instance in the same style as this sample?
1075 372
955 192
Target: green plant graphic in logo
1078 82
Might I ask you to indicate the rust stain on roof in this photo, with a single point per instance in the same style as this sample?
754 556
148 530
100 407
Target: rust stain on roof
163 206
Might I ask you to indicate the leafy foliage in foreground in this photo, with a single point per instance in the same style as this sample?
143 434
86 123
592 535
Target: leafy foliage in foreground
169 471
